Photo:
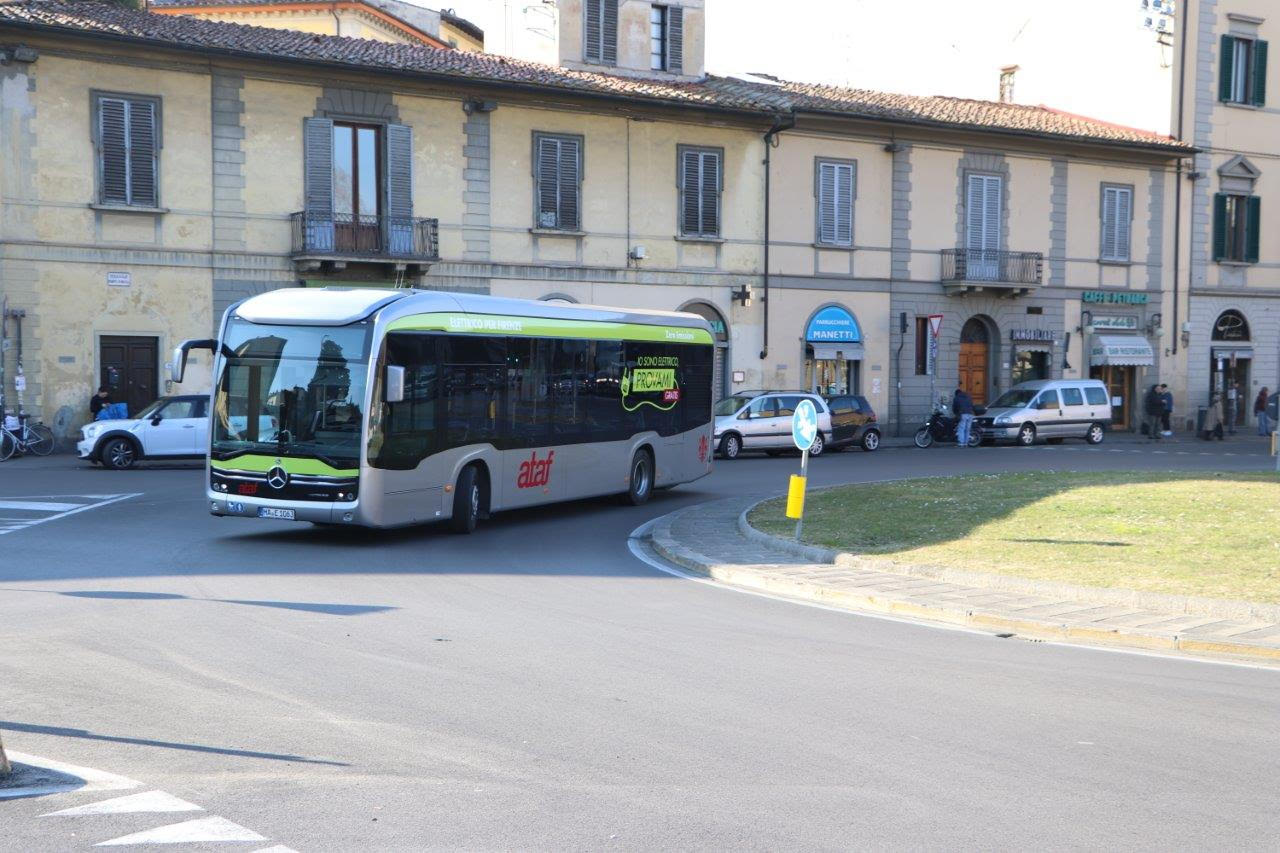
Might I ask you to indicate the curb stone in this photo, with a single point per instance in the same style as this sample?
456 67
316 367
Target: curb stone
773 578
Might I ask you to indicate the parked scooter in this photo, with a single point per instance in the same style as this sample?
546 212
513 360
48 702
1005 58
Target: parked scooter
941 426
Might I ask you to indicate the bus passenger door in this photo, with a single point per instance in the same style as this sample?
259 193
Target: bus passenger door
531 473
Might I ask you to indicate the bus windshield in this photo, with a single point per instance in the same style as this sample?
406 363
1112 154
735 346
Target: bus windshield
292 390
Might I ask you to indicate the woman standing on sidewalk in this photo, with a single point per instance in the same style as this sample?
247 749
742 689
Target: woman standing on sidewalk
1260 409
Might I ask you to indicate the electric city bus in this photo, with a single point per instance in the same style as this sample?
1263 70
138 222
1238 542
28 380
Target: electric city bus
385 408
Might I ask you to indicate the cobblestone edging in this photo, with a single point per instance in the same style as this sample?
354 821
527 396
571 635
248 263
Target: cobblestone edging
714 541
1189 605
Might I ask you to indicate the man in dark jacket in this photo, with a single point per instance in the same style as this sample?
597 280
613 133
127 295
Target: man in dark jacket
1153 409
97 401
962 407
1166 399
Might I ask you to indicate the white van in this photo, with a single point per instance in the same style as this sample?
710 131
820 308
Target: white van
1049 409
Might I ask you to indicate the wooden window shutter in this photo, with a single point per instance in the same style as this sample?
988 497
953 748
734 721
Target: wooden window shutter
593 25
1226 55
690 180
142 153
1259 93
609 32
1108 222
1219 226
991 214
709 223
1124 219
547 174
568 181
1253 228
675 40
318 167
317 183
113 150
835 203
399 225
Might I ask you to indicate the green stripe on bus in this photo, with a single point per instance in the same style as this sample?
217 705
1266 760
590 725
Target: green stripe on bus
294 465
493 324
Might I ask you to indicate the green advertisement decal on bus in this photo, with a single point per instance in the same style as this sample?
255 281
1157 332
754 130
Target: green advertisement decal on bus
653 375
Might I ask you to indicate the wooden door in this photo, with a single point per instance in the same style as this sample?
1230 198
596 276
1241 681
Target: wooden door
129 368
973 371
1119 382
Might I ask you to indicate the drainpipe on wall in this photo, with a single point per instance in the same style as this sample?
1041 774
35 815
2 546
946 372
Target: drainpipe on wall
337 21
1177 187
779 124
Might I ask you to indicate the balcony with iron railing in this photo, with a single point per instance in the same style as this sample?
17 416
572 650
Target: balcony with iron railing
336 239
999 272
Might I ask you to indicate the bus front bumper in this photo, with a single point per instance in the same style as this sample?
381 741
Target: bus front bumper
321 512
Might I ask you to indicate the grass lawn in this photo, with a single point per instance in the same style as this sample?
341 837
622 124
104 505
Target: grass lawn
1209 534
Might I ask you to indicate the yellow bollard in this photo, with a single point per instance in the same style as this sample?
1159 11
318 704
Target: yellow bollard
795 497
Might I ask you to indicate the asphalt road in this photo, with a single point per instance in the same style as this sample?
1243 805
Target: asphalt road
536 686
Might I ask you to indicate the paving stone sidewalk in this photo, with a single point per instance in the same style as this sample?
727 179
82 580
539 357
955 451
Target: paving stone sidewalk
713 540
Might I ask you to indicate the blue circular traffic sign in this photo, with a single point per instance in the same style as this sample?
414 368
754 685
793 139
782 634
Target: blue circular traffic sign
804 424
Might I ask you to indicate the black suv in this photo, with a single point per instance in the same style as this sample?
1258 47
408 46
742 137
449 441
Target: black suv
853 421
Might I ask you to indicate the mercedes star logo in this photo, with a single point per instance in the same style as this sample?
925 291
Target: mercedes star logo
277 478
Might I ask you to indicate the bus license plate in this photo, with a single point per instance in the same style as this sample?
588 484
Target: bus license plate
272 512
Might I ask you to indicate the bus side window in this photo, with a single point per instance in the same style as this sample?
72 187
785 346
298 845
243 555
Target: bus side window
473 370
528 397
609 421
409 426
568 389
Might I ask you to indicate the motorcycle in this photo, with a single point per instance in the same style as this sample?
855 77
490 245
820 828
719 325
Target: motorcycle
940 426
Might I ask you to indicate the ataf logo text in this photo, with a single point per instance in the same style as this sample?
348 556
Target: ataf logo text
535 472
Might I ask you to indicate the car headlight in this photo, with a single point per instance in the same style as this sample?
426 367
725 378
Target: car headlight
91 430
1003 419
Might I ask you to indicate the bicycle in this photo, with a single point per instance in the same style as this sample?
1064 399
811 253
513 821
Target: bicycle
26 438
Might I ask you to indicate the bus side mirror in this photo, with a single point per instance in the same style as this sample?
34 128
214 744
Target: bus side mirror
178 366
395 384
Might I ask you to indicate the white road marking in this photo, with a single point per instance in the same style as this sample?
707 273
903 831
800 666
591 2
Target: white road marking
279 848
188 832
60 509
150 801
70 777
38 506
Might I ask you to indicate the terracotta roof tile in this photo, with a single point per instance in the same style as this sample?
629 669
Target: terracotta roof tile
728 93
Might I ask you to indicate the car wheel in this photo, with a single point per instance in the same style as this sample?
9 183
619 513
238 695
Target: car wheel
818 445
1095 434
975 438
466 502
641 480
924 438
870 440
730 446
1027 435
119 454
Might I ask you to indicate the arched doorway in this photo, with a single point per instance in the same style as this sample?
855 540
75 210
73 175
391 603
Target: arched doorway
720 329
1231 359
975 359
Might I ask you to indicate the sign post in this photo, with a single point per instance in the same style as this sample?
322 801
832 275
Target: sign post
804 431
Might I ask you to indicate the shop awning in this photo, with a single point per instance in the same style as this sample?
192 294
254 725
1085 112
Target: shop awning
1122 350
1228 352
848 351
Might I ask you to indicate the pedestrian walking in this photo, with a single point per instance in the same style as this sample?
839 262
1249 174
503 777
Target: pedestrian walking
1166 400
1260 409
1152 410
1233 406
1213 419
962 408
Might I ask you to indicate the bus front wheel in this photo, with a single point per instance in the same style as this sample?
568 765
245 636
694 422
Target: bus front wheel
640 483
466 502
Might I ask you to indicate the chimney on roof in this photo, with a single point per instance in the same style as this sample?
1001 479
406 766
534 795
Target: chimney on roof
1006 83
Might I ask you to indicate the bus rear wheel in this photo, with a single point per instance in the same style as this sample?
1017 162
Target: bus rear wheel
640 483
466 502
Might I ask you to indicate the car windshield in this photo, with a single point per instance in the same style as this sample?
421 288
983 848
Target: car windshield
730 405
1014 398
295 390
151 409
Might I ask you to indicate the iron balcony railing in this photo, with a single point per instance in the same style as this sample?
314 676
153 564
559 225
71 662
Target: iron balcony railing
342 234
991 265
